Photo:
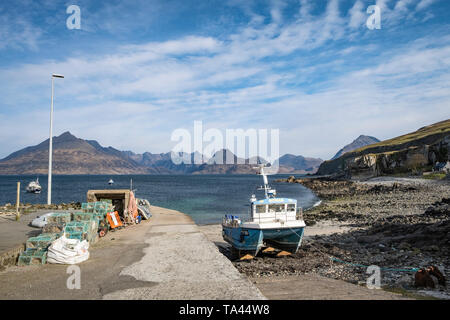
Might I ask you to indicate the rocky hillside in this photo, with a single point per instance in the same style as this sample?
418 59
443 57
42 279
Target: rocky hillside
298 164
409 153
359 142
72 155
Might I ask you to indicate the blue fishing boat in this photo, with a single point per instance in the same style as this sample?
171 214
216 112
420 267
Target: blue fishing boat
244 240
273 222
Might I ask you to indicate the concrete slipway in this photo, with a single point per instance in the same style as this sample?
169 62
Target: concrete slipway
164 258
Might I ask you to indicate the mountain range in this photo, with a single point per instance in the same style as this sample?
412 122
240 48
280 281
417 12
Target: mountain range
359 142
72 155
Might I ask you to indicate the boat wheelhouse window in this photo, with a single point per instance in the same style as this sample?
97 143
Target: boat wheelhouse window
276 207
291 207
261 208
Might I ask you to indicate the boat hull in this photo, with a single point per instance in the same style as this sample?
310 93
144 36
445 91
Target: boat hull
34 191
287 239
244 240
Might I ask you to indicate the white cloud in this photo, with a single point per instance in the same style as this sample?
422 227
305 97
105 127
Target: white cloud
277 75
276 10
424 4
305 9
357 15
18 33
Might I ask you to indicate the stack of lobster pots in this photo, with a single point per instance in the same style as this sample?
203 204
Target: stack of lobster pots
81 225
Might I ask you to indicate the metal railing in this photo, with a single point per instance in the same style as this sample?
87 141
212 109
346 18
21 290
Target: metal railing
230 222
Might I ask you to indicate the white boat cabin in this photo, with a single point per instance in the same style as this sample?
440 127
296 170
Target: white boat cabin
274 209
270 212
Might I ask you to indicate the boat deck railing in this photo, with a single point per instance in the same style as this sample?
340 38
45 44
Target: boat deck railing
234 221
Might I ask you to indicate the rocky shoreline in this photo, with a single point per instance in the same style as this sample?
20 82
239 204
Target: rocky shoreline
394 223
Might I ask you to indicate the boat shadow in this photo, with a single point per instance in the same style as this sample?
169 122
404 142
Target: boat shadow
227 250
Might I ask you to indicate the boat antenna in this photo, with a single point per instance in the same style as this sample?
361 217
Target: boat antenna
266 187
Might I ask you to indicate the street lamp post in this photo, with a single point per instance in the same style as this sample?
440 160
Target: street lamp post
50 147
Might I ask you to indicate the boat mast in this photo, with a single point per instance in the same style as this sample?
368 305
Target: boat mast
266 187
266 183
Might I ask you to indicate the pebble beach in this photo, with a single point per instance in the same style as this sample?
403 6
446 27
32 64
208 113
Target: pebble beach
398 224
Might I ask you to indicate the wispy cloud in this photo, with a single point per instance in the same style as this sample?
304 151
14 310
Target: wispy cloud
313 71
18 33
424 4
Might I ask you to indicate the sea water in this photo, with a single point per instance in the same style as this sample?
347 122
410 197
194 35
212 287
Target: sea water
206 198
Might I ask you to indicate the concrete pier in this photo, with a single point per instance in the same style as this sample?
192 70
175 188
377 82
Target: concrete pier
167 257
182 263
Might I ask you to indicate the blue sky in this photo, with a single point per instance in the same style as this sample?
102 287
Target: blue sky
138 70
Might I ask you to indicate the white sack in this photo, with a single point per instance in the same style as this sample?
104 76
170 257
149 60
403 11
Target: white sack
68 251
41 221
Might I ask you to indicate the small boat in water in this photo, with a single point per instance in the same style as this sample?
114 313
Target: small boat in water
273 222
111 182
34 187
